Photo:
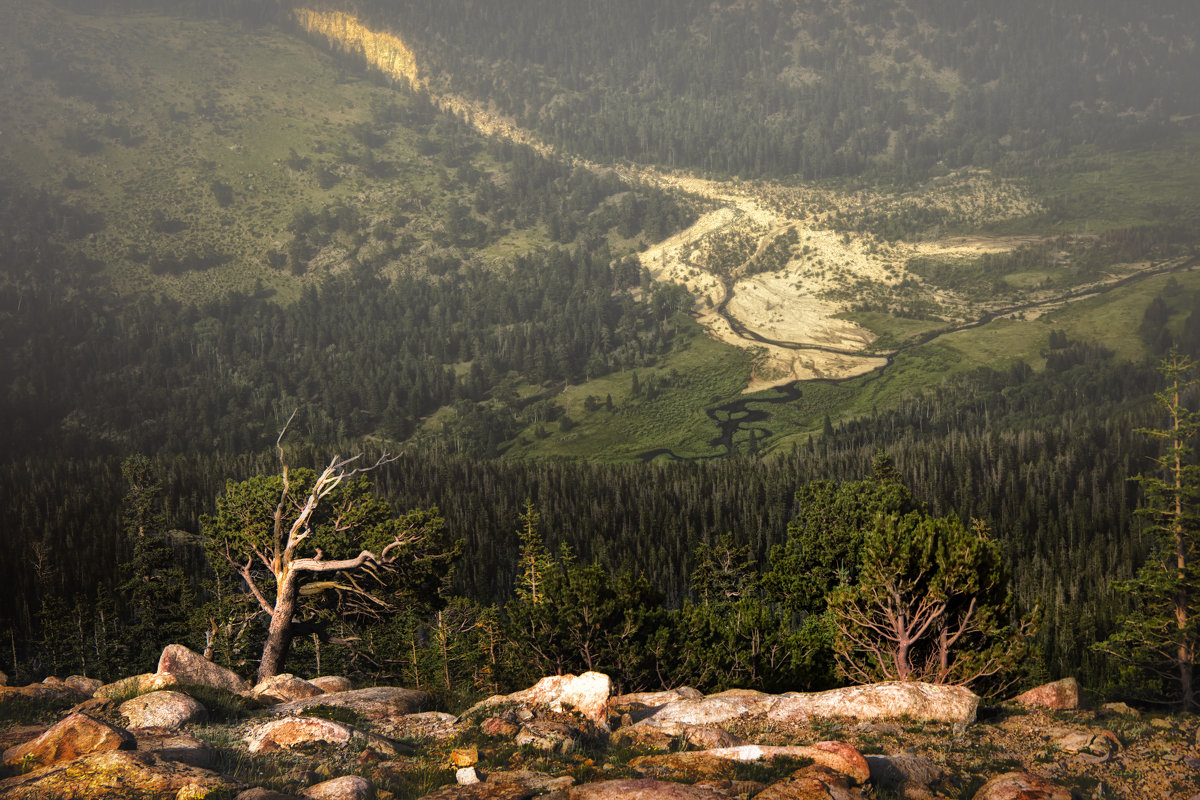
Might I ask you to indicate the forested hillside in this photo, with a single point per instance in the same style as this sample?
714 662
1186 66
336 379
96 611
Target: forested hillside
212 219
816 89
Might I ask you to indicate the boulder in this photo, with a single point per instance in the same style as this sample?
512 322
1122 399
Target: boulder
83 684
331 684
715 709
655 699
1060 695
585 694
540 782
640 789
553 735
378 704
294 731
135 685
1122 709
923 702
1103 744
116 774
666 736
718 763
498 726
164 709
483 790
811 783
284 687
189 667
903 769
1021 786
42 694
259 793
172 746
464 756
76 735
465 776
348 787
435 725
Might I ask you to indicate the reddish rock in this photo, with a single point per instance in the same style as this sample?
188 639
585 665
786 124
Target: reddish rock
811 783
348 787
283 688
495 726
640 789
925 702
259 793
41 693
483 791
585 694
297 731
903 768
294 731
331 684
165 709
116 774
83 684
1021 786
189 667
378 704
1058 696
837 756
75 736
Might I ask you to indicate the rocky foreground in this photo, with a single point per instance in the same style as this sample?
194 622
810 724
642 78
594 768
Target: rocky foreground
195 730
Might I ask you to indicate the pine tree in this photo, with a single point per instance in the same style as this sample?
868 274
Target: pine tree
1161 635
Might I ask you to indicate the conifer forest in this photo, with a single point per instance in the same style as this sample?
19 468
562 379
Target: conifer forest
660 339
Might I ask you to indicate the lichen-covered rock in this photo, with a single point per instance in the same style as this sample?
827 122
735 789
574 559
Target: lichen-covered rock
76 735
435 725
903 768
189 667
585 694
348 787
135 685
378 704
640 789
331 684
1021 786
295 731
925 702
117 775
811 783
164 709
172 746
42 693
714 709
1060 695
83 684
558 736
1102 743
283 688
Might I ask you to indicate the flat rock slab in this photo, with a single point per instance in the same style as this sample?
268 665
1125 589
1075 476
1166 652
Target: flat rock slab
296 731
116 774
924 702
378 704
713 709
76 735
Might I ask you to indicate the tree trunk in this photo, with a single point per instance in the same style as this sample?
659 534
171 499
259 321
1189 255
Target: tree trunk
279 635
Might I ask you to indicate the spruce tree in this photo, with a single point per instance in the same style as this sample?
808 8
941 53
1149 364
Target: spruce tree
1160 637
